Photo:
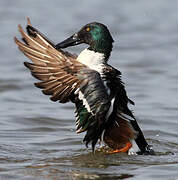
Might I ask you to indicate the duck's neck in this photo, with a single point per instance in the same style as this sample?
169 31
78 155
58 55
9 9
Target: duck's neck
92 59
102 46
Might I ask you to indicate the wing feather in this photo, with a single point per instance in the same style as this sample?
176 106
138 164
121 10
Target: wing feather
30 41
55 69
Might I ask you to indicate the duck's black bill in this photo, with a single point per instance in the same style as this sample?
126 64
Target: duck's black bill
71 41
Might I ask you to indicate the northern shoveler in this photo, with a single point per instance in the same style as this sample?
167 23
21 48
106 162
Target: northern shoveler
88 81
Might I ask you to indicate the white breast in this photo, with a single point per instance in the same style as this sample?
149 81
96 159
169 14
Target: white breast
93 60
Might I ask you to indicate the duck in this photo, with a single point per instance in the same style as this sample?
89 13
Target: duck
87 80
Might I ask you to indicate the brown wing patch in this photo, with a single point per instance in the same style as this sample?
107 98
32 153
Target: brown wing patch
56 69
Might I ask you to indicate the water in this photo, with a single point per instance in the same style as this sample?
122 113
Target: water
38 139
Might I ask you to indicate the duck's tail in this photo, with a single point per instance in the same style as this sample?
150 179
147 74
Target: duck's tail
140 141
126 136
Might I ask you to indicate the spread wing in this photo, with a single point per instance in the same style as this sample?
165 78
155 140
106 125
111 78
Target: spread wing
61 75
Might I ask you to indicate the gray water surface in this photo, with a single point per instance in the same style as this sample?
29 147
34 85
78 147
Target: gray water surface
37 137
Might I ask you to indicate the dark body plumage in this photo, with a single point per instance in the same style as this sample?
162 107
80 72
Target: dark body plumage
97 90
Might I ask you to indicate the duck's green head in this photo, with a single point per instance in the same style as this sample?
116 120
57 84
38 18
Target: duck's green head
95 34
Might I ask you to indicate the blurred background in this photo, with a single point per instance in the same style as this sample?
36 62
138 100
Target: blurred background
37 136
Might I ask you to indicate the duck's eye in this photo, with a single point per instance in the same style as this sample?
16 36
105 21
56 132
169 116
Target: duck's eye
87 29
